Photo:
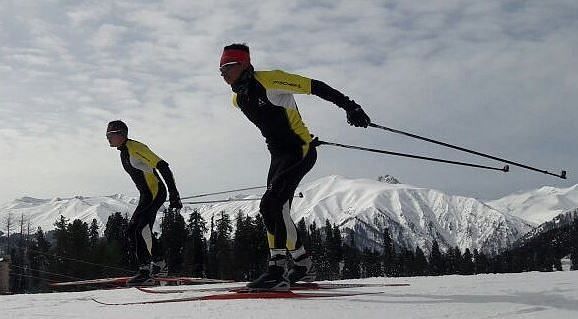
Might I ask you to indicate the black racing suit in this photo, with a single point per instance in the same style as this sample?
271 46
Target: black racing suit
267 100
142 165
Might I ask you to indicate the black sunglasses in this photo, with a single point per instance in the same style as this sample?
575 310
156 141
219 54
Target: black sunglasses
227 66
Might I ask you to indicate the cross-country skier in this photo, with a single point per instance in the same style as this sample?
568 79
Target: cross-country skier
266 98
142 165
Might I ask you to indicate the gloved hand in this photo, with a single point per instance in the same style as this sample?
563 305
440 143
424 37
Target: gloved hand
357 117
175 203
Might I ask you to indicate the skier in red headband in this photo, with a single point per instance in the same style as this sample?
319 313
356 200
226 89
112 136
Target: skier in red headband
266 98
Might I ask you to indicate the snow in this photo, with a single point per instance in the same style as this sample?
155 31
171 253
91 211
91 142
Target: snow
525 295
415 216
540 205
44 212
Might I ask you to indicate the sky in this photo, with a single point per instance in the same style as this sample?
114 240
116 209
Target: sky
498 77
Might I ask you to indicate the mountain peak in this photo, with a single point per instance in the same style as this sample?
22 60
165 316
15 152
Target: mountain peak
388 179
538 205
414 216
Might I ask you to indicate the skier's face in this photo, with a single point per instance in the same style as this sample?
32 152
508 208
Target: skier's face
115 139
231 72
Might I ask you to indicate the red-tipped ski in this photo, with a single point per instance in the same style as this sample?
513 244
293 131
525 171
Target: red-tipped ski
295 287
241 296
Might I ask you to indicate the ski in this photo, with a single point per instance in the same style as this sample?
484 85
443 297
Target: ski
298 287
241 296
315 285
121 282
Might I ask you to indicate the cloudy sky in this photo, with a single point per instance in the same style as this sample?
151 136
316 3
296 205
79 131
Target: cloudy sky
496 76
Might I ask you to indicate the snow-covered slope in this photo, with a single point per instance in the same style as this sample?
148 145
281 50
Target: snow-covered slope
526 295
540 205
44 212
414 216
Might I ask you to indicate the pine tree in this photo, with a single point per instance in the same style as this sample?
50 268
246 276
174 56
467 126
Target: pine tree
453 261
79 248
481 263
327 268
212 262
305 236
220 252
42 244
258 238
574 244
96 250
467 267
93 235
61 235
116 250
39 262
351 265
196 245
421 265
548 260
371 263
317 251
388 255
242 248
436 261
334 247
61 264
172 240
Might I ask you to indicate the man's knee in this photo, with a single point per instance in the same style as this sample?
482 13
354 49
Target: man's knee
135 227
267 205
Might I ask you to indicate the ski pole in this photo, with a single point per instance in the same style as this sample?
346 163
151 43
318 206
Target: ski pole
224 192
561 175
300 195
506 168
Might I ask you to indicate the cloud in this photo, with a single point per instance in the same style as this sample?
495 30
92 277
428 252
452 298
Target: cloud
497 76
108 36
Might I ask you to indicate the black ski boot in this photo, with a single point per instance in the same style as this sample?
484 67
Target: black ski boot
142 278
159 269
274 279
302 270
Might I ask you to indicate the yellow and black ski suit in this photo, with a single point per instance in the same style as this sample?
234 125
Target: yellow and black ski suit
268 102
142 165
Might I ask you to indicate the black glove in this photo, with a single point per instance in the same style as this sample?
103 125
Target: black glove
357 117
175 203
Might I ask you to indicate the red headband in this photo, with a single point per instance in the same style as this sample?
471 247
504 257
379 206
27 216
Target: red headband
235 55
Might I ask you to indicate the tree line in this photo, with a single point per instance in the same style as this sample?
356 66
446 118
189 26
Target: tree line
235 247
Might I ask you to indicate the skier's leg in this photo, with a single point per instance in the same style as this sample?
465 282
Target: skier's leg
140 238
302 268
284 176
140 233
158 265
271 209
139 221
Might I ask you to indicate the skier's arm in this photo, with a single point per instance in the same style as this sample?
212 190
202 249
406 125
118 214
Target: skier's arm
355 114
167 175
330 94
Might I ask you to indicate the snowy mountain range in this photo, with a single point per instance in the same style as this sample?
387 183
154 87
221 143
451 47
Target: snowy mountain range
540 205
414 216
